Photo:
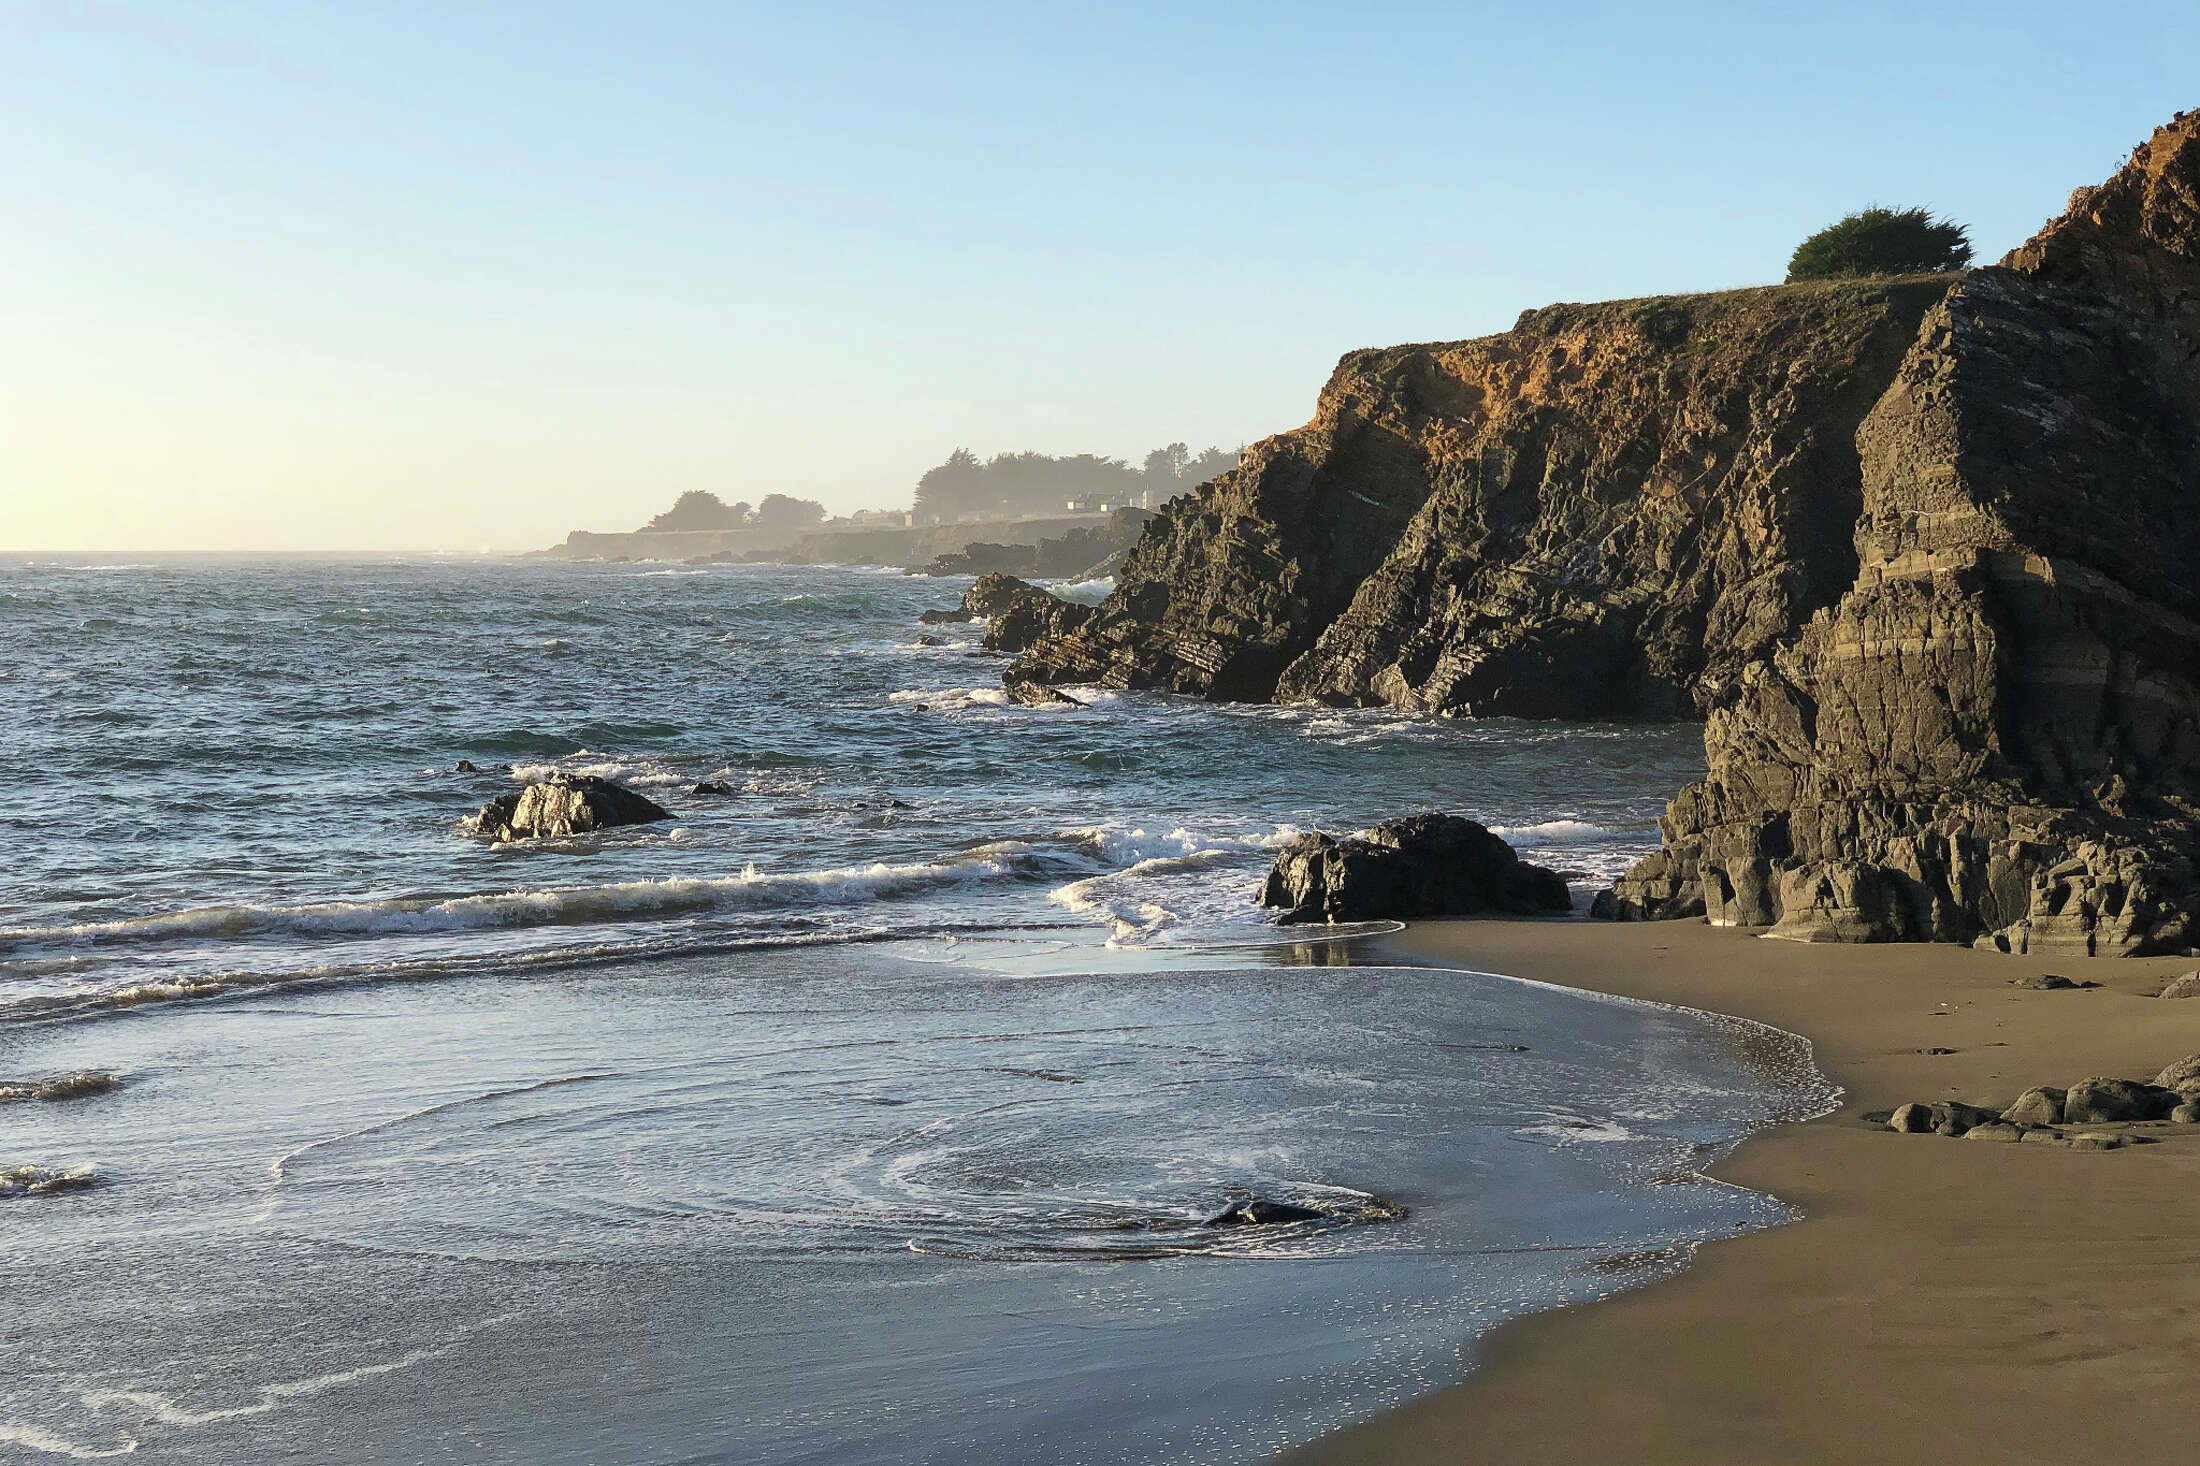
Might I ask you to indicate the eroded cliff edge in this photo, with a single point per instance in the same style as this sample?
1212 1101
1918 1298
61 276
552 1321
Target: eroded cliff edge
1992 736
1924 553
1607 510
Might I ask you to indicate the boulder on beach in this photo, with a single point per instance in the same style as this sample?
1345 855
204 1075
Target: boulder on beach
1946 1117
2187 986
2040 1105
2182 1075
565 804
2108 1101
1423 866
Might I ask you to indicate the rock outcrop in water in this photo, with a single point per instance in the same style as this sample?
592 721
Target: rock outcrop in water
1920 551
53 1091
1423 866
1018 613
565 804
1994 735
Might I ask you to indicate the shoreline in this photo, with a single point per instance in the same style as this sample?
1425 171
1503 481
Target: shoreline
1940 1301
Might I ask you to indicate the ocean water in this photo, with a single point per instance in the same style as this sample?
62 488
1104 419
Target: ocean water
877 1112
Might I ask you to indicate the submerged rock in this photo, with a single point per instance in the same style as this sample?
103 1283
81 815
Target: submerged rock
714 789
1032 693
67 1087
1424 866
42 1181
565 804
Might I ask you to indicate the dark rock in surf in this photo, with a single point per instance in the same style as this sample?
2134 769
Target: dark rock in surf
464 766
1018 613
714 789
931 641
1424 866
1261 1212
1032 693
947 618
565 804
41 1181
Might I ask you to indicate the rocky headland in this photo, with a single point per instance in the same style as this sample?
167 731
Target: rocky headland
1918 551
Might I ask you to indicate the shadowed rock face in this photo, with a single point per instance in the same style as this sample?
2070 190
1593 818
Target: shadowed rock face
1992 735
1609 509
1425 865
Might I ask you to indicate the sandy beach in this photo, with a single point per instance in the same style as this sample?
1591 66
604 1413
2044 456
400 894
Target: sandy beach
1943 1300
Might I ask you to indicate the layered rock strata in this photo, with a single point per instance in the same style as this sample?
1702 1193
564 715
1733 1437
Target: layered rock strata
1992 735
1607 510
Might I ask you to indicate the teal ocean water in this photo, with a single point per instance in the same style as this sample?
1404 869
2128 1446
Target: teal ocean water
872 1113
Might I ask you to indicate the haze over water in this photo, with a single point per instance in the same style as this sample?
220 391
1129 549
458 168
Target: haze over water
872 1113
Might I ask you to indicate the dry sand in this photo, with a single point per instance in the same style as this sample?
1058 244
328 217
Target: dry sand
1944 1301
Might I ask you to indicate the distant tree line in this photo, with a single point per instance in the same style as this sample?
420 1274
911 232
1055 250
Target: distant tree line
701 509
1015 484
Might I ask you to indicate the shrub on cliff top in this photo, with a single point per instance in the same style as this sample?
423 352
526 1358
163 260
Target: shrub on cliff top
1877 241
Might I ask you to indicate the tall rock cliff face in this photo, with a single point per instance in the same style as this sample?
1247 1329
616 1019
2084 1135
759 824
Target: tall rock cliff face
1992 735
1924 553
1609 509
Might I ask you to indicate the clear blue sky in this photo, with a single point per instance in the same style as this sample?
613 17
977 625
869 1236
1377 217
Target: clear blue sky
459 275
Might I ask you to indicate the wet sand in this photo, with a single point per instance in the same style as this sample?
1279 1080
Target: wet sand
1944 1301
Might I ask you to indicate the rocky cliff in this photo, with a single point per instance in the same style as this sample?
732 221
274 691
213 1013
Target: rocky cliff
1609 509
1992 736
1922 552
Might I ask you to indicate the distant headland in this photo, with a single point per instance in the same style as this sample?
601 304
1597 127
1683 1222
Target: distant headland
1023 513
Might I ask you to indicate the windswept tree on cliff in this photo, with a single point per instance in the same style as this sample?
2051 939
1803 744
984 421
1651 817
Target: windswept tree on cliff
782 511
1877 241
700 509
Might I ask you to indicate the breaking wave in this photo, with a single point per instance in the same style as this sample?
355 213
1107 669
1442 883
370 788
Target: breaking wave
556 906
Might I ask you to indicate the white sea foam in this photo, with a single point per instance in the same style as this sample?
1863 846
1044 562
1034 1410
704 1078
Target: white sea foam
558 906
1576 1130
643 775
30 1437
1568 832
951 699
1131 844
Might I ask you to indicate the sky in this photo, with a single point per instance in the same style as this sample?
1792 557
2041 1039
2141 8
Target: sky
466 276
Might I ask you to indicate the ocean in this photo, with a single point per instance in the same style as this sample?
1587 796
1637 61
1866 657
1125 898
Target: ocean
877 1111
